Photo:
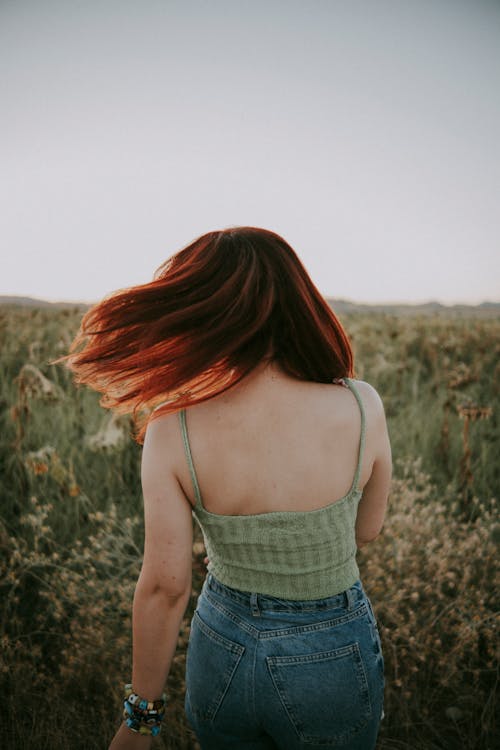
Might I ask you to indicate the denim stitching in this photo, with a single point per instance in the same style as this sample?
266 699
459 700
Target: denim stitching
374 627
243 598
323 656
281 632
234 648
297 629
336 653
254 682
234 618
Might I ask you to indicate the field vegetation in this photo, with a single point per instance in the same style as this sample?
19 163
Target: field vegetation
71 538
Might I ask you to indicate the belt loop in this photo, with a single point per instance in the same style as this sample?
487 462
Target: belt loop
254 605
349 599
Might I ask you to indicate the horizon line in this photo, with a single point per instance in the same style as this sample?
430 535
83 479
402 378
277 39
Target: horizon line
330 298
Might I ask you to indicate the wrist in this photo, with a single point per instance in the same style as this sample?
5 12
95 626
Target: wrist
141 715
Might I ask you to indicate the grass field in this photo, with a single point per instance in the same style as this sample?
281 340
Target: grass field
71 536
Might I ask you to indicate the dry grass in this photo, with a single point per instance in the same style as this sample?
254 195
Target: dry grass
71 535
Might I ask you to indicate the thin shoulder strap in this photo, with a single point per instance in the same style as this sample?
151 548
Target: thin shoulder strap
353 388
189 458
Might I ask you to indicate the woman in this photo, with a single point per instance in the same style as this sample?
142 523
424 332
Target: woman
255 427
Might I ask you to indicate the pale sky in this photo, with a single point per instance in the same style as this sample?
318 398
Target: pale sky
366 132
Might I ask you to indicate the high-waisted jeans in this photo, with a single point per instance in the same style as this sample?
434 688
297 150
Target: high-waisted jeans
271 674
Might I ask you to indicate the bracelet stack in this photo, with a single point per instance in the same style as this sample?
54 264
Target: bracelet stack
143 716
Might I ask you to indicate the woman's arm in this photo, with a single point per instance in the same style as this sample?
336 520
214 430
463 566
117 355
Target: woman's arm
373 503
164 586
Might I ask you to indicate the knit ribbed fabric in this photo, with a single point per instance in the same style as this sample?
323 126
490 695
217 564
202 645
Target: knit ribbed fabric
295 555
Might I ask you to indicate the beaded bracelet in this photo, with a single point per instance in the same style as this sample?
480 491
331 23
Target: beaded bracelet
144 705
143 716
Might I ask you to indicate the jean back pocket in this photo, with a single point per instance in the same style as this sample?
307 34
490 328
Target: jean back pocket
325 695
212 660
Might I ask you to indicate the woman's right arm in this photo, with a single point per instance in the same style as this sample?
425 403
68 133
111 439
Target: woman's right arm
373 503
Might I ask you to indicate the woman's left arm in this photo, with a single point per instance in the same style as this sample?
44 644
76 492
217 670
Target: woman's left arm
164 586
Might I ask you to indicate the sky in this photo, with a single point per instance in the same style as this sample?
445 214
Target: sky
365 133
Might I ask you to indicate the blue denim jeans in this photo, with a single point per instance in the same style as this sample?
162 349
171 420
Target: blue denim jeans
271 674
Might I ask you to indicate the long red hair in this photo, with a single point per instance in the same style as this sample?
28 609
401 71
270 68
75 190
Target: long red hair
213 311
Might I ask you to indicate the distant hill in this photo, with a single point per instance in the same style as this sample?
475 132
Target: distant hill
341 306
485 309
32 302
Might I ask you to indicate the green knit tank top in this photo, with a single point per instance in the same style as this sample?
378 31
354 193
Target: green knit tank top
297 555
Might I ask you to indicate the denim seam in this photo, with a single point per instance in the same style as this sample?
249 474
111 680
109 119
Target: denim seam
232 646
237 651
324 624
283 700
295 721
234 618
254 668
335 653
281 632
334 602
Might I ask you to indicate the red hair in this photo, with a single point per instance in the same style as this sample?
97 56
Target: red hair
213 311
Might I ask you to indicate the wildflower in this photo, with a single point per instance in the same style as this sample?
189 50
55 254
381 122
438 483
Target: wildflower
110 435
40 467
33 384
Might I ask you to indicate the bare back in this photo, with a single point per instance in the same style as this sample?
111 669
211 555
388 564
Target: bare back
275 443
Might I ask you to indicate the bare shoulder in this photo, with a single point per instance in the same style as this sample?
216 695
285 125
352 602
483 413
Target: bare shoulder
370 397
378 443
163 426
162 445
